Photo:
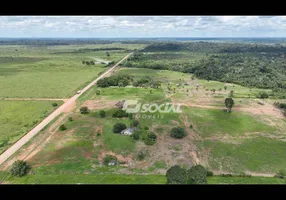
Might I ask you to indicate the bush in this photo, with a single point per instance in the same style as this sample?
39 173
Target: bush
54 104
136 135
152 136
84 110
118 127
109 158
197 175
102 113
263 95
20 168
120 113
149 141
62 127
146 128
176 175
135 123
191 126
70 119
178 132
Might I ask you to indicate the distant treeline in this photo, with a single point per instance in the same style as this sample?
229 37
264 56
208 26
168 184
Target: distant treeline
251 65
211 47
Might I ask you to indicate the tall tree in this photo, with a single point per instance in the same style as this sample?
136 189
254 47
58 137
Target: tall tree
229 104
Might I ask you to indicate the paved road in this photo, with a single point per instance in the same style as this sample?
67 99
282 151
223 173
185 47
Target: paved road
64 107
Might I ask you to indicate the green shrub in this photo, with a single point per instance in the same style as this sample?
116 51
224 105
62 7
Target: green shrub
84 110
118 127
70 119
178 132
281 174
135 136
102 113
20 168
176 175
120 113
263 95
149 141
135 123
210 173
62 127
191 126
54 104
197 175
97 92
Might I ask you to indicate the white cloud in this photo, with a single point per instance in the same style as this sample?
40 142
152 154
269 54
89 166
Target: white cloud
142 26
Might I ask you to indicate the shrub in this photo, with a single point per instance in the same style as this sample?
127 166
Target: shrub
62 127
135 136
146 128
84 110
109 158
118 127
178 132
120 113
149 141
263 95
197 175
176 175
191 126
152 135
54 104
70 119
20 168
135 123
102 113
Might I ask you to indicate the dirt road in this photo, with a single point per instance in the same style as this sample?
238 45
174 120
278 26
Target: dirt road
46 121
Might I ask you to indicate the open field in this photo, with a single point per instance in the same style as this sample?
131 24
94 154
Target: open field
18 117
47 73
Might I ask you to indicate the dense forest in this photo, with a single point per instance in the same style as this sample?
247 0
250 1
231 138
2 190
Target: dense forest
252 65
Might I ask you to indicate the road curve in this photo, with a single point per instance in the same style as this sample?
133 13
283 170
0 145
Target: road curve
15 147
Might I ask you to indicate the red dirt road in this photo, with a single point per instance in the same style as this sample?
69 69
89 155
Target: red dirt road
63 108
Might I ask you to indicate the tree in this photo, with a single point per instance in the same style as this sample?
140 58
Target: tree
178 132
229 104
176 175
92 62
54 104
118 127
197 175
62 127
102 113
83 62
152 135
135 123
20 168
70 119
84 110
263 95
225 87
135 135
107 54
120 113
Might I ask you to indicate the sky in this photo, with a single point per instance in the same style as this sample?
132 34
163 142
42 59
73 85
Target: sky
142 26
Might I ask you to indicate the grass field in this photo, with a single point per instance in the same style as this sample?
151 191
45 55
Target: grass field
18 117
130 179
216 122
257 154
50 72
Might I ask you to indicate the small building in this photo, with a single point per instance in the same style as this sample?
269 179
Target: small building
128 131
186 83
178 85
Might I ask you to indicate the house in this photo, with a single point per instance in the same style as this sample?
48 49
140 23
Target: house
178 85
128 131
120 103
112 163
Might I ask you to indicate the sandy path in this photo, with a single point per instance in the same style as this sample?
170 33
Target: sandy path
63 108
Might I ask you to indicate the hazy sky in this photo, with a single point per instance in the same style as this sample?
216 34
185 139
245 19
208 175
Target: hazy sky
142 26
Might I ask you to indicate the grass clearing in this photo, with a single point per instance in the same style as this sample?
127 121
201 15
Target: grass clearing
18 117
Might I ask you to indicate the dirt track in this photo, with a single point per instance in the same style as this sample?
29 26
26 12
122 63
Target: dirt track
63 108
